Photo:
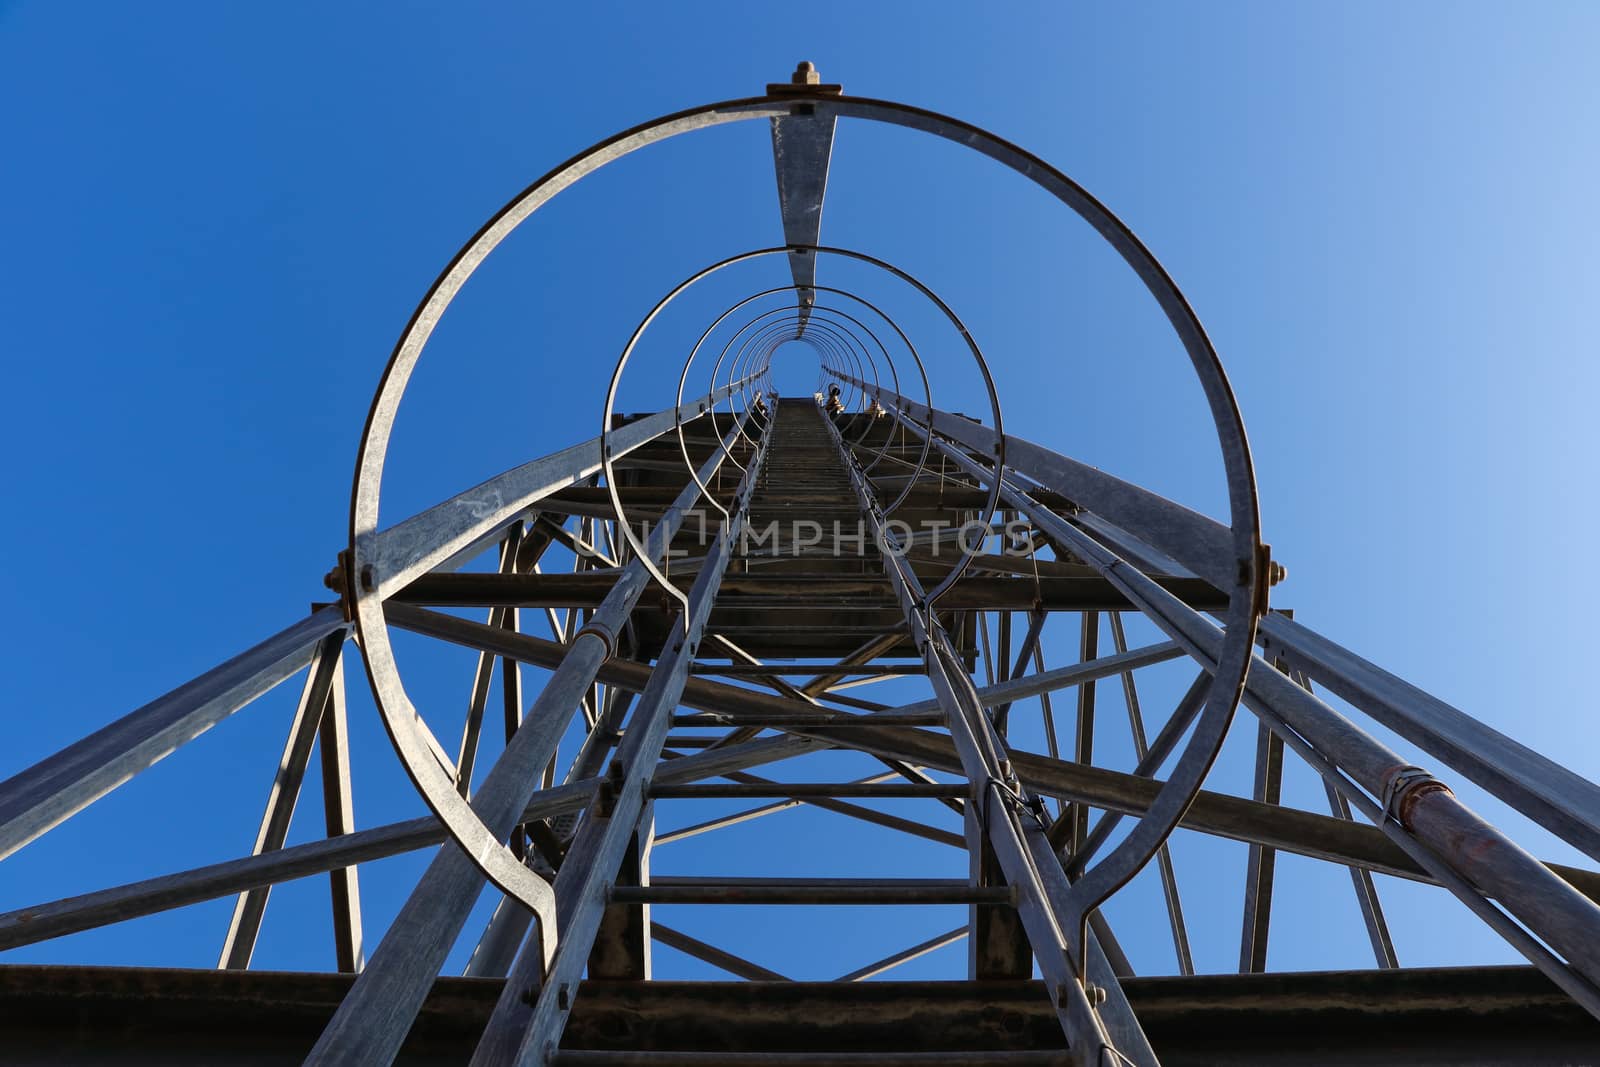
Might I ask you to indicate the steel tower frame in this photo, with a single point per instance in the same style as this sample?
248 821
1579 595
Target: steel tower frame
649 644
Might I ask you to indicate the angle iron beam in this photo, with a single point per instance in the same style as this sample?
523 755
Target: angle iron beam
1141 747
1564 803
1461 849
802 146
239 943
875 891
372 1022
86 911
719 958
1286 829
338 816
1261 867
452 532
61 785
1068 961
471 589
906 955
1199 542
528 1033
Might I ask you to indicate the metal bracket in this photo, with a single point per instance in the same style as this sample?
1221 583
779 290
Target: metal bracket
1403 786
804 81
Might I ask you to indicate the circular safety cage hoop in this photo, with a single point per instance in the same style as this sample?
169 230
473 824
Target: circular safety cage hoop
759 373
853 358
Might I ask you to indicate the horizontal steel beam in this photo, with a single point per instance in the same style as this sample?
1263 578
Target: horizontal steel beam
753 591
1288 829
826 717
772 790
642 500
619 1058
1473 1017
820 892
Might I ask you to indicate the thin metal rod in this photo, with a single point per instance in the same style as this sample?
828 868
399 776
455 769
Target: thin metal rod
987 650
62 785
719 958
1164 866
1030 646
1189 706
905 955
721 822
1361 881
1063 677
724 821
790 670
526 554
239 944
822 716
877 891
333 743
810 695
864 814
1259 871
1366 893
1083 735
810 790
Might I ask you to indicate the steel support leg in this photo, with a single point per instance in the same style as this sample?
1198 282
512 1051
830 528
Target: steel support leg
532 1011
333 743
1268 789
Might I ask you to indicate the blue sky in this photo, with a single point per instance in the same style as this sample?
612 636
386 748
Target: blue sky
216 219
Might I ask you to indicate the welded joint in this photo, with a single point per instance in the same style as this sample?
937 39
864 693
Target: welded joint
595 628
1403 787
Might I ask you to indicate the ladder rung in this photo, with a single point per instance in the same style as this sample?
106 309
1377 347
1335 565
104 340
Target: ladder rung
696 790
822 717
1010 1058
820 891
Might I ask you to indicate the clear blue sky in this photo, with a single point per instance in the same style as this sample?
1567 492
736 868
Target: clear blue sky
217 218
